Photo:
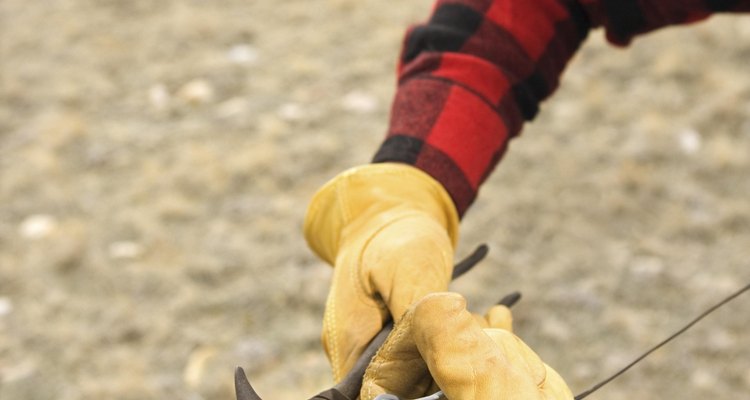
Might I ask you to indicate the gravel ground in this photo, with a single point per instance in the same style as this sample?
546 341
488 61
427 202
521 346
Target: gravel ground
156 159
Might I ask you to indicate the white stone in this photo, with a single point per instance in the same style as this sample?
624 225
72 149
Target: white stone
159 96
125 250
196 92
359 102
243 54
6 306
291 112
690 141
37 226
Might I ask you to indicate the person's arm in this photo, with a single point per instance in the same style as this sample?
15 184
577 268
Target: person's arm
468 80
478 69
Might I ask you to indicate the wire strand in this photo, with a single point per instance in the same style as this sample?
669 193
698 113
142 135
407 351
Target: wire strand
665 341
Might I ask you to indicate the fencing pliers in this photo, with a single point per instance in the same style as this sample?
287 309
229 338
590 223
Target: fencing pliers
349 387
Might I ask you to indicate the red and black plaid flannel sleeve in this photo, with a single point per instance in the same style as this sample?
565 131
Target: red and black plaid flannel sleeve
471 75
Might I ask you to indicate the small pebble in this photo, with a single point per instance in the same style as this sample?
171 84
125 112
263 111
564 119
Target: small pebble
647 267
291 112
159 97
243 54
196 92
6 306
690 141
359 102
37 226
720 341
125 250
702 379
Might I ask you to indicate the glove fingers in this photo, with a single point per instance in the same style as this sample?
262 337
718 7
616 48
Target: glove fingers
398 367
438 337
519 355
407 260
499 317
524 360
482 321
400 263
352 316
555 388
348 328
464 360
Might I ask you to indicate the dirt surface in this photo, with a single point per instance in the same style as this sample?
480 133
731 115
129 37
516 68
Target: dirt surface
156 159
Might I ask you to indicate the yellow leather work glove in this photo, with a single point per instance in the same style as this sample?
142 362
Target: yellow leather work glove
389 231
438 343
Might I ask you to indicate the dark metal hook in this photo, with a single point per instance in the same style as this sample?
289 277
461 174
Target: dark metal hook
242 388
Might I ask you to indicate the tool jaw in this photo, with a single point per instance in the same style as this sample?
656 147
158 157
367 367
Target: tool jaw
242 387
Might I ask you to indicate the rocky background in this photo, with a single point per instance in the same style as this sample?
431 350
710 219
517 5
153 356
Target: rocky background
156 159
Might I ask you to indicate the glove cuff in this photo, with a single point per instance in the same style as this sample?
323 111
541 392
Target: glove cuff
369 192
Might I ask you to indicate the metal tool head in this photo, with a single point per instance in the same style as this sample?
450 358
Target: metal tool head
242 387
